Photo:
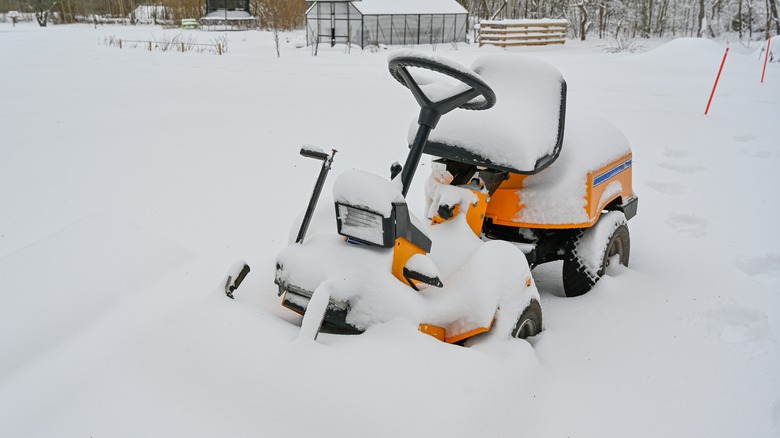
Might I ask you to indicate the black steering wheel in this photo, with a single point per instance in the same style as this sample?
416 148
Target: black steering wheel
465 99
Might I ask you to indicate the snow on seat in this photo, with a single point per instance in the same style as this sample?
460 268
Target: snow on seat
522 133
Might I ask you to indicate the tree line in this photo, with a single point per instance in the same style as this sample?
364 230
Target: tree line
284 14
754 19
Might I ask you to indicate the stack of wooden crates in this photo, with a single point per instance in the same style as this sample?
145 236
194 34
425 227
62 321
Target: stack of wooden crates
524 32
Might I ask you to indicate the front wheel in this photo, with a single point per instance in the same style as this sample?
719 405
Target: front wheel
530 321
593 251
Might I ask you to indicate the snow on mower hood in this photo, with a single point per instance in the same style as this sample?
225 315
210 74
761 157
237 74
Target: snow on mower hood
558 195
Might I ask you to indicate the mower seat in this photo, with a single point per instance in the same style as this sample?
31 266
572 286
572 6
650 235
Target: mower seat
522 133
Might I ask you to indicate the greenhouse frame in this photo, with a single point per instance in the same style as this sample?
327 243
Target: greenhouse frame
386 22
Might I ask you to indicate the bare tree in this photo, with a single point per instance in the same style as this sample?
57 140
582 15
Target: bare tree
281 15
43 11
772 17
584 23
702 19
602 18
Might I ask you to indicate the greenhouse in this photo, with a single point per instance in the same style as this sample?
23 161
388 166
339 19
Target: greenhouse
228 15
386 22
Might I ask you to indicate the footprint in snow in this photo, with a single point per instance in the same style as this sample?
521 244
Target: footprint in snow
744 138
688 224
667 188
738 324
763 269
756 152
677 153
682 168
752 150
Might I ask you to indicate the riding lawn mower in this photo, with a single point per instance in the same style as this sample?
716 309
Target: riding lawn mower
515 182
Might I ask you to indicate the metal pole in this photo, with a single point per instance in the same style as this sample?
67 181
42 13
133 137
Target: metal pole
391 30
332 24
413 159
418 28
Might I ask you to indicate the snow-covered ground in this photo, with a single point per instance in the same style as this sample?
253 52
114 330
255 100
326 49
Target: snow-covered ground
131 180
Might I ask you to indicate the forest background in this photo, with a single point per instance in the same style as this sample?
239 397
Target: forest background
617 19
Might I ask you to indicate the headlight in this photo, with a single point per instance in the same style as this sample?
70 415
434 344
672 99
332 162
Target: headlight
371 228
364 226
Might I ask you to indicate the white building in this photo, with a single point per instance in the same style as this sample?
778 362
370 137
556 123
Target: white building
375 22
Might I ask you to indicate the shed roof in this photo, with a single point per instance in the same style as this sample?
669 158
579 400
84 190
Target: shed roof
390 7
224 14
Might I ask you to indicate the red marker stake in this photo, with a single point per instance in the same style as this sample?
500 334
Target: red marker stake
766 58
716 81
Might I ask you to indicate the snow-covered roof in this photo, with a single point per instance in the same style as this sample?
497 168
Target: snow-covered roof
388 7
530 21
222 14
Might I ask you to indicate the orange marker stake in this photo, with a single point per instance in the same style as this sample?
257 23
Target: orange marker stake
766 58
716 81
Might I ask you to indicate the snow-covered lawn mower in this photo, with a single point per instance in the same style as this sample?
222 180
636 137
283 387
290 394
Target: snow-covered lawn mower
511 186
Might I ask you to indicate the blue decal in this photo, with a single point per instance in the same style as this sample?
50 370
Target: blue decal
612 172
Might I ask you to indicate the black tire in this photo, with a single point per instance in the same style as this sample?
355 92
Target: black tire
578 279
530 321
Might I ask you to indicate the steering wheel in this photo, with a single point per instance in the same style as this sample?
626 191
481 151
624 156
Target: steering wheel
466 99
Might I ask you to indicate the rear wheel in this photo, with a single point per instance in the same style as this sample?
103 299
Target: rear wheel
530 321
593 250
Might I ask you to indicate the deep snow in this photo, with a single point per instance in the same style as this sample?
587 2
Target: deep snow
130 181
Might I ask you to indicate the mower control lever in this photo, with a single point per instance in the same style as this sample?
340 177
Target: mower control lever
327 161
317 154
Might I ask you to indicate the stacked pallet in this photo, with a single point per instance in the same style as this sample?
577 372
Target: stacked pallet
524 32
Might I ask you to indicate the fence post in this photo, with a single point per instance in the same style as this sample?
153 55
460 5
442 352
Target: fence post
766 58
219 49
150 46
120 43
182 47
716 81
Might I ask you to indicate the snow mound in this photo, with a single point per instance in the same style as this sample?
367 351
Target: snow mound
686 50
686 47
